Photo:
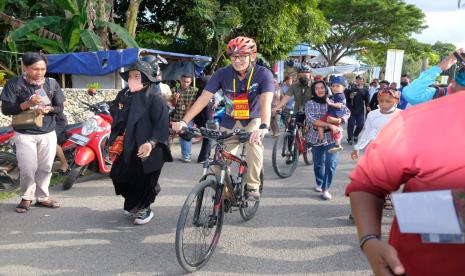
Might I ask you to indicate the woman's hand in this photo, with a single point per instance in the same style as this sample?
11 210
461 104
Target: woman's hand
34 100
334 129
354 155
144 150
383 258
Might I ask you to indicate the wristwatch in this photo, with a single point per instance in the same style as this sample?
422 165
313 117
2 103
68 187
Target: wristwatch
263 126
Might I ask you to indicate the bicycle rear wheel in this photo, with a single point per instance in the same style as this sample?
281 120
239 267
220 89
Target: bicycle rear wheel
285 161
307 154
247 209
199 226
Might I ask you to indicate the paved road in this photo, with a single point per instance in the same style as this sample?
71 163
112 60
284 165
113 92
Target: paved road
294 232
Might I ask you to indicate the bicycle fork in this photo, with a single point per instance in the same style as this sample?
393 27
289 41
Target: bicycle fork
217 201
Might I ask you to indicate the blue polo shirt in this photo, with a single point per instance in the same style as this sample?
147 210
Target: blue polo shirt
261 82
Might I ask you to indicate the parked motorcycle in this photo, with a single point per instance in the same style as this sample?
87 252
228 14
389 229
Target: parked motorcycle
9 172
91 144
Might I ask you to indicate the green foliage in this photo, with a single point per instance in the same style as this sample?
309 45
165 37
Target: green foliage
353 22
209 24
121 32
443 49
278 26
93 85
76 28
151 40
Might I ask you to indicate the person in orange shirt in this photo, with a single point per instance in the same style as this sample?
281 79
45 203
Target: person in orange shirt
424 159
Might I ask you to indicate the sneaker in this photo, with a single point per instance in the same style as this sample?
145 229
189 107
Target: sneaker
355 140
128 213
335 149
326 195
321 143
186 159
290 160
143 216
318 189
253 194
350 141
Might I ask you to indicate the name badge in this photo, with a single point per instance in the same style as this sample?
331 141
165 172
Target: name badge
241 107
438 216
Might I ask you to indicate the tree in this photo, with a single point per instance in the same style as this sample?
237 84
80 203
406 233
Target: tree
76 26
278 26
209 24
353 22
443 49
131 20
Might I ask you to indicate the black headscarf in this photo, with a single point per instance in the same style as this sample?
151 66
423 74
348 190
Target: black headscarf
321 100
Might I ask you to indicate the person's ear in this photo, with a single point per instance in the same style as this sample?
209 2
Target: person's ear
253 57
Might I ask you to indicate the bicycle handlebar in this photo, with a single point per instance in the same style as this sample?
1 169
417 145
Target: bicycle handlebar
292 113
217 135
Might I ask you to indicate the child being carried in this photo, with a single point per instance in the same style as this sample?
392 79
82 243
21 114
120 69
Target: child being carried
335 111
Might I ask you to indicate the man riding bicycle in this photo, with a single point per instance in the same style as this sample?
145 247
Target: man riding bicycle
300 90
248 92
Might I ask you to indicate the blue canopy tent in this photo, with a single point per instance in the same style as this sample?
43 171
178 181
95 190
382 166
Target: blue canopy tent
108 63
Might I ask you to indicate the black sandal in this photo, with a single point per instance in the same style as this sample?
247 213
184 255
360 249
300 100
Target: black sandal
61 172
23 206
49 203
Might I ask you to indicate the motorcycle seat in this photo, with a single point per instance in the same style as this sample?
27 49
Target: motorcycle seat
4 130
72 126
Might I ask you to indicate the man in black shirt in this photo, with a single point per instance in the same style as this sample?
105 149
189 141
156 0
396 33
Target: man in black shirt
358 99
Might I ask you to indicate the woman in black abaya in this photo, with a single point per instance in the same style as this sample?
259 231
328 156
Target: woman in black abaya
139 138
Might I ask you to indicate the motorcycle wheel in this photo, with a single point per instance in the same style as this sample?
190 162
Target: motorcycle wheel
9 172
72 177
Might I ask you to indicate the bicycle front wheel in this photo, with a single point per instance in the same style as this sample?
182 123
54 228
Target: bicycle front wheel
285 155
199 226
248 208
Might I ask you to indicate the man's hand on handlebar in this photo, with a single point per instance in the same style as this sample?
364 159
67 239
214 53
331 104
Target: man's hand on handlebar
178 126
257 136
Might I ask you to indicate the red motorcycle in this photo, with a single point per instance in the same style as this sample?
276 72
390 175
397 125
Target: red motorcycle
91 144
9 172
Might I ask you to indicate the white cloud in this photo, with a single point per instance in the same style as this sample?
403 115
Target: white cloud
444 20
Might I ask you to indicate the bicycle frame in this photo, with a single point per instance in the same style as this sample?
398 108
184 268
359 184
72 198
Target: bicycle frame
225 182
295 130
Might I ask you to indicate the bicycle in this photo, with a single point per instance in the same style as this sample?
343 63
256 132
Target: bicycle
289 145
201 219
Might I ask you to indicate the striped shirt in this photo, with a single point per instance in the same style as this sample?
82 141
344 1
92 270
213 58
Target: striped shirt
315 111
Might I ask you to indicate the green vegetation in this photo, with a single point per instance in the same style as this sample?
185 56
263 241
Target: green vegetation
336 28
56 180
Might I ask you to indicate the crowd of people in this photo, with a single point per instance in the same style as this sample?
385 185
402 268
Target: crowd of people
399 155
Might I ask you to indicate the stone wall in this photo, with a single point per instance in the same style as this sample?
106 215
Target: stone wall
74 109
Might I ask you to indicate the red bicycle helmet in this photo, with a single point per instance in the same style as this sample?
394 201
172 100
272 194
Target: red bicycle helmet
241 45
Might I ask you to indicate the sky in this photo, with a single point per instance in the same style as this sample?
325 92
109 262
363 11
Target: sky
445 21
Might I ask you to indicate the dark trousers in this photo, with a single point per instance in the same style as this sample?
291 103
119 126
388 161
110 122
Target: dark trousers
356 121
204 150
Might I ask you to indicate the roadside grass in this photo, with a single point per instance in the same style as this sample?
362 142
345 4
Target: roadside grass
56 179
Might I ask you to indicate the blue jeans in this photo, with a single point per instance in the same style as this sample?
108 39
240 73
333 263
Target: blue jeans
186 146
324 165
